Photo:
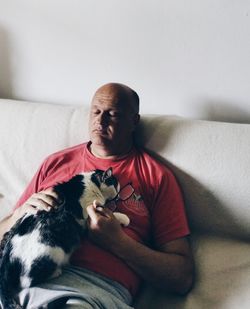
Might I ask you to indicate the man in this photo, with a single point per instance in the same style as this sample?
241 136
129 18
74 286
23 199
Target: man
154 246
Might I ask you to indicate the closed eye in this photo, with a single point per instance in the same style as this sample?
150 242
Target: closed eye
114 114
96 112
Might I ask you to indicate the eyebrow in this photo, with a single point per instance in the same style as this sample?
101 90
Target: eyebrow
110 109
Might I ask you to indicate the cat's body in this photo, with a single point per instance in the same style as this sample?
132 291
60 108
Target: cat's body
37 246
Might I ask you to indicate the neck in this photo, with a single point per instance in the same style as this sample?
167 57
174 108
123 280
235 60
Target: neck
106 153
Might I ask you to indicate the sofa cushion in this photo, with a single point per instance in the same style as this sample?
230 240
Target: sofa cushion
28 133
211 161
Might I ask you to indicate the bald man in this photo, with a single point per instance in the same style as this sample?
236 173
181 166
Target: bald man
108 267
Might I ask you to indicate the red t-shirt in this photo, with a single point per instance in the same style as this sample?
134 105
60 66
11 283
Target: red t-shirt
155 208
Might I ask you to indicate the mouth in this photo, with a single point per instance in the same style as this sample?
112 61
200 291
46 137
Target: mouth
100 132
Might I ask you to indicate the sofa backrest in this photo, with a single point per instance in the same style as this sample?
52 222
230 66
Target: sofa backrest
29 132
210 159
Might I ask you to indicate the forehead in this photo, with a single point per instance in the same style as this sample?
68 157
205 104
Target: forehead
110 99
105 99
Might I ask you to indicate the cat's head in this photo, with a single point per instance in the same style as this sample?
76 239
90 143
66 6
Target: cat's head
107 183
73 192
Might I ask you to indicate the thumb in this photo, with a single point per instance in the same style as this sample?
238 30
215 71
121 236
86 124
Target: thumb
101 209
97 205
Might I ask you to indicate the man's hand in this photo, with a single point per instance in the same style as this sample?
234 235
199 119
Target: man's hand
104 229
169 268
43 200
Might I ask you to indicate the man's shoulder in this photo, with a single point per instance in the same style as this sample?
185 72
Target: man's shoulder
69 152
154 165
151 158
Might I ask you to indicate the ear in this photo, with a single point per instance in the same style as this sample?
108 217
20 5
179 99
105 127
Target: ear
108 173
136 119
98 174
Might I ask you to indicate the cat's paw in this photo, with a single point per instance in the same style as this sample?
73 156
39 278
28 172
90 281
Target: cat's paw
122 218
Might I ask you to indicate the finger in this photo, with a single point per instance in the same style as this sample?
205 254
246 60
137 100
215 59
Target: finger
99 208
50 199
52 194
102 209
38 203
96 215
31 210
93 214
21 211
97 204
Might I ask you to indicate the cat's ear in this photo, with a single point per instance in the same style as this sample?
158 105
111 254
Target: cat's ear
108 173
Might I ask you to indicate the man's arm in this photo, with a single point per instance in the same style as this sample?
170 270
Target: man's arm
170 267
43 200
6 224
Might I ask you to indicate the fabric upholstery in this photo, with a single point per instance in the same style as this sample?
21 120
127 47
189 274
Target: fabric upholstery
210 160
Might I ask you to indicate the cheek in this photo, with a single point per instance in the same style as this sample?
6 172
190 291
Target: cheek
91 124
90 130
124 128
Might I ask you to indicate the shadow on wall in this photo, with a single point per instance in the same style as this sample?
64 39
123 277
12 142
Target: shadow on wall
214 110
5 66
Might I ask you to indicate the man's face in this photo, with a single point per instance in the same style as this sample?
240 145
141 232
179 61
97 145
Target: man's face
112 119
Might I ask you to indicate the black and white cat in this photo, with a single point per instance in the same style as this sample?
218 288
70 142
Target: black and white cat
37 246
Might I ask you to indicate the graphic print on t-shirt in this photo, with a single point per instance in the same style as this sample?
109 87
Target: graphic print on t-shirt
130 202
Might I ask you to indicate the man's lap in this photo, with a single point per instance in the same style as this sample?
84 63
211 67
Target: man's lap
80 289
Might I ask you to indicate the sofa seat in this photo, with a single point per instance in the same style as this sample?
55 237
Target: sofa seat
222 277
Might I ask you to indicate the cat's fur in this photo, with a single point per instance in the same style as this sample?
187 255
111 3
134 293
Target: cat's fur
37 246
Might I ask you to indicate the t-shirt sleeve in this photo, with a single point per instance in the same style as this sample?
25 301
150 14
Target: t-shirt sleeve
169 220
32 187
58 166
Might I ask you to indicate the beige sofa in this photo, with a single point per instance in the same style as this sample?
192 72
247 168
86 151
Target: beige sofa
211 161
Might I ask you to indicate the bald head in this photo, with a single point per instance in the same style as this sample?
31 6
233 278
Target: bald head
121 93
114 116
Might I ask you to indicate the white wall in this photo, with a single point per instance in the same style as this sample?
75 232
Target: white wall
185 57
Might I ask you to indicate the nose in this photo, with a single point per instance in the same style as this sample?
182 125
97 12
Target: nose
102 119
